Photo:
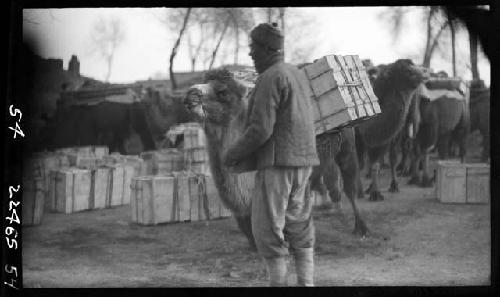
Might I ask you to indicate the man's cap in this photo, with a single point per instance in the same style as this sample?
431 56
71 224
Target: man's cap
268 35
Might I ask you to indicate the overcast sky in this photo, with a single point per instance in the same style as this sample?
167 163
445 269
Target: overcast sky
61 33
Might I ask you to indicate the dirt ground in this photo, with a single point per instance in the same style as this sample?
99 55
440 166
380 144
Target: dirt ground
414 240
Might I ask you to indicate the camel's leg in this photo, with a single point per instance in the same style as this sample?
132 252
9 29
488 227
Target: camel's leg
375 154
443 145
361 194
330 173
394 188
426 180
348 165
375 194
407 157
245 225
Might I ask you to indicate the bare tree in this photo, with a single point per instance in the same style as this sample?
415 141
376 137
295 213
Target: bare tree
432 39
473 56
221 36
107 36
175 19
452 24
433 17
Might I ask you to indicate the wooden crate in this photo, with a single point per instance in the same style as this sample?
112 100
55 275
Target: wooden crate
194 137
99 187
33 201
182 199
196 212
83 160
138 164
341 92
478 183
198 154
100 151
120 179
451 182
167 160
115 185
152 199
463 183
176 197
69 190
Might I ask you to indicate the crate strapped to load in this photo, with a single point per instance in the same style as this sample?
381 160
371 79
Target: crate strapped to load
341 92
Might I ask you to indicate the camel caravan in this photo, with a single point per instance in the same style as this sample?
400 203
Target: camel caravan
359 111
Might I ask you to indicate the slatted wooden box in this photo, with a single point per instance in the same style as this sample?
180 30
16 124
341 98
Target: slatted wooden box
163 161
99 187
119 181
177 197
194 137
152 199
341 92
83 160
463 183
69 190
33 201
478 183
100 151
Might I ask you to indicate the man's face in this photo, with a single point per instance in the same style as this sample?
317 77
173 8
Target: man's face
257 52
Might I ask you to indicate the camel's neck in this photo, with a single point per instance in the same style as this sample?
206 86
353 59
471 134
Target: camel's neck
233 188
382 129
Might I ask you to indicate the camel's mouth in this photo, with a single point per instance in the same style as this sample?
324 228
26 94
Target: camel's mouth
418 75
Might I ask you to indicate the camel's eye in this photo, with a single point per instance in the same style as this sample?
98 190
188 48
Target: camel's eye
222 94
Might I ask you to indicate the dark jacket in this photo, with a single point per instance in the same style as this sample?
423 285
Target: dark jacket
280 128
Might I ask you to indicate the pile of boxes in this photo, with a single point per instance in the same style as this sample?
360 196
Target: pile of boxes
177 185
76 179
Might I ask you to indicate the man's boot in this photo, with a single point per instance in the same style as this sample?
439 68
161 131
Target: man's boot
277 270
304 266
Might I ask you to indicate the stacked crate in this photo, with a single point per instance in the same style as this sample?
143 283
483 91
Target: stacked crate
162 161
33 198
195 152
95 180
341 92
175 197
463 182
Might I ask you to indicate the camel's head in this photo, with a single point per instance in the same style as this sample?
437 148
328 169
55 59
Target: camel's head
218 99
402 74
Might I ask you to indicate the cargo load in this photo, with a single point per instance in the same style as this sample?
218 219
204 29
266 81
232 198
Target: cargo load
341 92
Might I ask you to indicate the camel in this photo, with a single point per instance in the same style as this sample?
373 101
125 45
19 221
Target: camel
394 86
442 119
220 105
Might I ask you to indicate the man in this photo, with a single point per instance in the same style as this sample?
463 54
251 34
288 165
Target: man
280 136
